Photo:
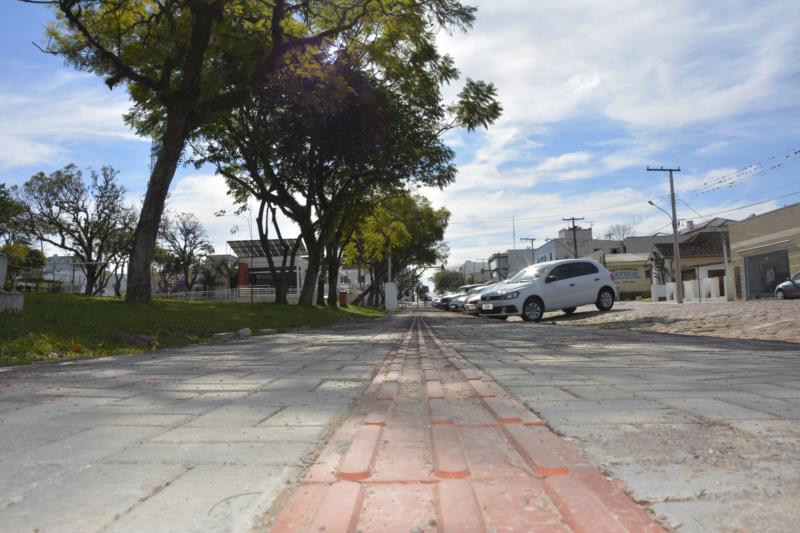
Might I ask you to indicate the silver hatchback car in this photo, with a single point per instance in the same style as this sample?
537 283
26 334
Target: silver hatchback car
789 288
564 284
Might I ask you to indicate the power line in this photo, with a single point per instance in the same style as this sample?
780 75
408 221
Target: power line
769 165
712 215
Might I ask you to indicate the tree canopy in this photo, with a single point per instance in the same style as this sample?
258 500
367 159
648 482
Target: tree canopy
188 62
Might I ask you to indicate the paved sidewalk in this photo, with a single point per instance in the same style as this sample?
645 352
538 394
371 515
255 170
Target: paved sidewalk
436 445
705 432
203 438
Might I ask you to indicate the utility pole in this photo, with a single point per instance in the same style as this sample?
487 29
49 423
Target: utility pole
513 232
531 239
675 243
574 235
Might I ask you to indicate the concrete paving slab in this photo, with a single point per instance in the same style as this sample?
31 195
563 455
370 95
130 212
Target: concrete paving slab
721 455
209 498
170 440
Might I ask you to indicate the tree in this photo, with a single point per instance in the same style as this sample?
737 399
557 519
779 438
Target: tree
620 232
23 261
186 62
12 224
322 140
186 243
86 220
447 280
405 229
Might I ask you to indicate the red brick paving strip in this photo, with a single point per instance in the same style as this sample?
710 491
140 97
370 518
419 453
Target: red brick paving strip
436 446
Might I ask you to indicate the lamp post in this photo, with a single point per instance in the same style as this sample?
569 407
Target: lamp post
234 230
676 252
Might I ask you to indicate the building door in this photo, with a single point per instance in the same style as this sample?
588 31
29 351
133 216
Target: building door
764 272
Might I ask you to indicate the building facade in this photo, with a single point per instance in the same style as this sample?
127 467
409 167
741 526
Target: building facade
475 272
766 251
563 247
503 265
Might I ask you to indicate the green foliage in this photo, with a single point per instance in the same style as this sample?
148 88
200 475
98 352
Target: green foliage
405 225
447 280
57 326
23 262
11 216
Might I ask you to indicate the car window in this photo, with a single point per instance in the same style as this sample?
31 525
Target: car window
560 272
582 269
797 277
528 274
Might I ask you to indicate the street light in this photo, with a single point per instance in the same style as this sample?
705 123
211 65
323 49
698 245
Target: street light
676 252
235 230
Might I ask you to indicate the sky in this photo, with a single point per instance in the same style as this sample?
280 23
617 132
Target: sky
593 94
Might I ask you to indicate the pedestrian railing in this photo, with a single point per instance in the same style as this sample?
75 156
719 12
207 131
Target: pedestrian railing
260 294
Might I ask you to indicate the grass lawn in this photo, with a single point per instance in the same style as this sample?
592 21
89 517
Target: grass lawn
60 326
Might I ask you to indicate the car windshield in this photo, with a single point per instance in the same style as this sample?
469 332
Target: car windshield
528 274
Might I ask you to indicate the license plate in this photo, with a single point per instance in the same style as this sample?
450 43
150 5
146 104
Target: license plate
487 307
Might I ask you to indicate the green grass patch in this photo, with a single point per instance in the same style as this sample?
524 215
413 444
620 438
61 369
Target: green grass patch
62 326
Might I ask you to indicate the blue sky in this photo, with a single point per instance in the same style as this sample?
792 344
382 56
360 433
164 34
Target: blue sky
593 93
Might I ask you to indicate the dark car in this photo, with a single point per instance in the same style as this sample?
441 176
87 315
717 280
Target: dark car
789 288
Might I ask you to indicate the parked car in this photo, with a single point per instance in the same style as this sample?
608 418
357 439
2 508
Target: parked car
789 288
472 303
458 303
444 301
564 284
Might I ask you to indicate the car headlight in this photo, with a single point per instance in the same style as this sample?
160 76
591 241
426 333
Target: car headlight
511 295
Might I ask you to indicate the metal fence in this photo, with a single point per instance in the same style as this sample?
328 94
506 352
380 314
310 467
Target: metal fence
260 294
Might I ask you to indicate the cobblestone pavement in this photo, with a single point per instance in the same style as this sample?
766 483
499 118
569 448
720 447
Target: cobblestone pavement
203 438
759 319
436 445
703 431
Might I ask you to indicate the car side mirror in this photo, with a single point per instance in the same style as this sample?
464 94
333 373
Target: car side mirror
551 278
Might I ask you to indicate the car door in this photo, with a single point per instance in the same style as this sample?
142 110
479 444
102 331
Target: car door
793 289
585 282
559 288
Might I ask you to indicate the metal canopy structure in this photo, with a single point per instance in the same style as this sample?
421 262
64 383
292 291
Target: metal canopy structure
255 249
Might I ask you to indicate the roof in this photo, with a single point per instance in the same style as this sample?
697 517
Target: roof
254 248
627 258
709 225
702 245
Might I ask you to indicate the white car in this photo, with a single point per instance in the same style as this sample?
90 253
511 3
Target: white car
564 284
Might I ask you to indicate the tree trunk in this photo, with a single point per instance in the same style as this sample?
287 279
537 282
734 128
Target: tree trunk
321 281
91 279
333 275
309 282
144 238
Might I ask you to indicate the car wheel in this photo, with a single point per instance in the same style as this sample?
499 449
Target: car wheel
569 310
532 309
605 299
779 295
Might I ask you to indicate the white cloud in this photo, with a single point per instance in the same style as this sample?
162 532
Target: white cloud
563 161
656 65
41 122
206 194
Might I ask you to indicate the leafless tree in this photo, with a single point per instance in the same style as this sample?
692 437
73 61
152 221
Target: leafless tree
84 219
186 240
620 231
